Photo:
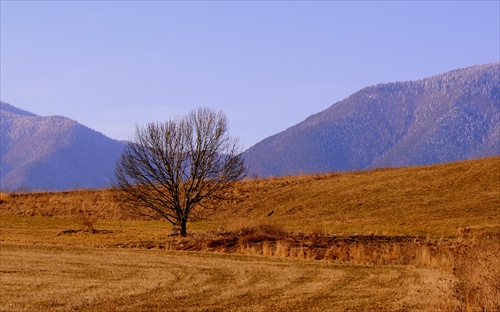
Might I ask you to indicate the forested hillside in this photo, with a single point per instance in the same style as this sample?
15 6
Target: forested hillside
448 117
53 153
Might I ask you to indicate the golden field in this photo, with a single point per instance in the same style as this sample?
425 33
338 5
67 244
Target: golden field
409 239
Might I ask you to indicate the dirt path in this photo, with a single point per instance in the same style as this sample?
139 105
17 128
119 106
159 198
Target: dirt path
45 277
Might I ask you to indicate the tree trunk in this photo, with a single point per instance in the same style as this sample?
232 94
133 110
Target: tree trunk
183 232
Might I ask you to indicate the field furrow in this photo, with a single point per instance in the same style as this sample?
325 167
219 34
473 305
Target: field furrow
51 278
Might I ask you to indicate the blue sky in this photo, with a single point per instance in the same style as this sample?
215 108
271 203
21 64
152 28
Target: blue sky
268 65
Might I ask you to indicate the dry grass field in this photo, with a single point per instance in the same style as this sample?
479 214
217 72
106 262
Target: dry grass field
62 278
431 200
410 239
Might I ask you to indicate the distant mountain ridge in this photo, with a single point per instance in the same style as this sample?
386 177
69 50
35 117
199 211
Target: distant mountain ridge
53 153
447 117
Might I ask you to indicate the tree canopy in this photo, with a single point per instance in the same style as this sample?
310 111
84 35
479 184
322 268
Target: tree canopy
169 168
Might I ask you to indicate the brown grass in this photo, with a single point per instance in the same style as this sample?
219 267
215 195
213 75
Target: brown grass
55 278
435 229
467 264
432 200
3 197
477 264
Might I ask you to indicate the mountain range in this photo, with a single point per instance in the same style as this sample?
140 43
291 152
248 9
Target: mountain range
53 153
448 117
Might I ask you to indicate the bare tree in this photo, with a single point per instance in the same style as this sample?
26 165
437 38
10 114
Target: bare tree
170 168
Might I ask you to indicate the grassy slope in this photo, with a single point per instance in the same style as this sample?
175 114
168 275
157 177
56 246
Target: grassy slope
42 270
432 200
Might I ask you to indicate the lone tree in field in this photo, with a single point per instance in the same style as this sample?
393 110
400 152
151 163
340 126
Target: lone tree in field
170 168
